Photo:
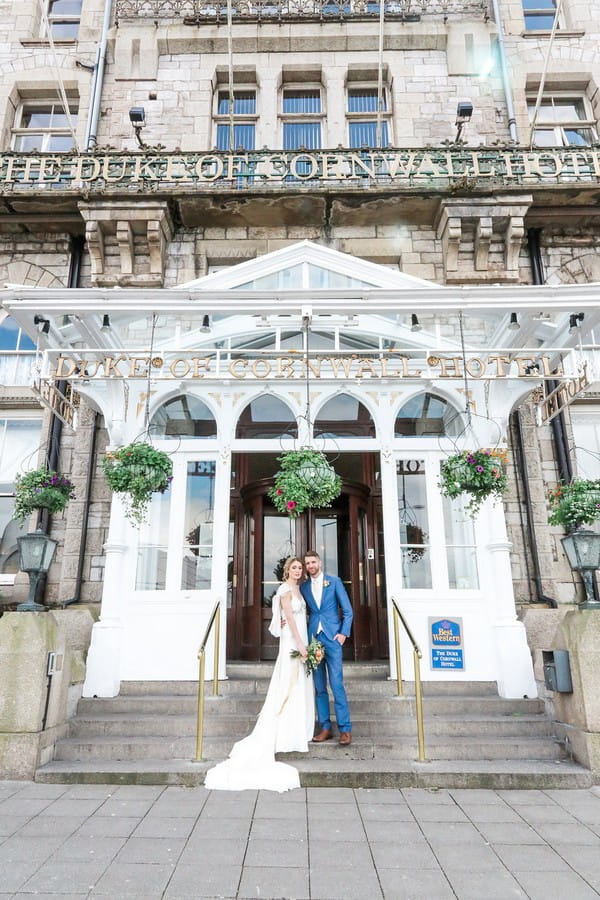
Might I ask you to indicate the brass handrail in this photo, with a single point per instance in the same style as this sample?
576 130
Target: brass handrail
417 656
216 619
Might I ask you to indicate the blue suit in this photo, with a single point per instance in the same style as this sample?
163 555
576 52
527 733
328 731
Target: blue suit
327 616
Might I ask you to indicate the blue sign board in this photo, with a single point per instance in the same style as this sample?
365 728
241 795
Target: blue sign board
446 644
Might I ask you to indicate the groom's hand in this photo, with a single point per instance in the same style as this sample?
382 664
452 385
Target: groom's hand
340 638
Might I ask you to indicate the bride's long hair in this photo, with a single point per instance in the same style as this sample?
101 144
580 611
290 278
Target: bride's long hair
288 563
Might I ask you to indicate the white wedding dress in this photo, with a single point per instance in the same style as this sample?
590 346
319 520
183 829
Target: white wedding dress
285 723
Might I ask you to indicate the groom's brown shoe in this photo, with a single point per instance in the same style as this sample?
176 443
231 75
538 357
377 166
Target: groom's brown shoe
324 735
345 738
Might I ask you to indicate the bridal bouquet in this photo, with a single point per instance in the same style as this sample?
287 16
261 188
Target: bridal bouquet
316 654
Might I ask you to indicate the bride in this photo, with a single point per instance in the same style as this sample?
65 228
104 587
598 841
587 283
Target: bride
287 720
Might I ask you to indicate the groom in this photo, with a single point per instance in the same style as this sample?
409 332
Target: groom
325 595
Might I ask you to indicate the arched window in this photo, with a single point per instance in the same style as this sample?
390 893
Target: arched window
267 417
427 414
344 416
183 417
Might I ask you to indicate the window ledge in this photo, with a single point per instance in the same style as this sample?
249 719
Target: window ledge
560 33
66 42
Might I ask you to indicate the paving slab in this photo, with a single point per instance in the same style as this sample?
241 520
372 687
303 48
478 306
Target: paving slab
177 843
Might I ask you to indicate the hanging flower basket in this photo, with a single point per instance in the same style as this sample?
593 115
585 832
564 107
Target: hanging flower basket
477 474
41 489
575 504
137 471
305 479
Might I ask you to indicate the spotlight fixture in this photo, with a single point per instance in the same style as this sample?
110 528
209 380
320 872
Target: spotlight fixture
105 322
514 322
414 323
205 327
464 111
575 320
137 117
42 324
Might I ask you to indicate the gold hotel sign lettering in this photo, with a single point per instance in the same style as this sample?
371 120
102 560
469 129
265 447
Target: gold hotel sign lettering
253 168
389 364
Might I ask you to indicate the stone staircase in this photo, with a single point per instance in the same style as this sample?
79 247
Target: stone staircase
473 738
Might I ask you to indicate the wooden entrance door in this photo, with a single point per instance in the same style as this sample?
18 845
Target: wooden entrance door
345 536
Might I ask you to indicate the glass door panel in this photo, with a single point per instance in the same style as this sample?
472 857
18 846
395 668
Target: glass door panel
413 523
198 526
461 550
153 546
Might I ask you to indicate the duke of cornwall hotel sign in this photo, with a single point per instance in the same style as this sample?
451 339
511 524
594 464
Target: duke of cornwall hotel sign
425 166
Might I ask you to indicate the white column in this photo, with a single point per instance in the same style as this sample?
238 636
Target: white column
393 567
103 669
514 663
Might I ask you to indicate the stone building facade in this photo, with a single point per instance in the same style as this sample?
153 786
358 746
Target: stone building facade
409 140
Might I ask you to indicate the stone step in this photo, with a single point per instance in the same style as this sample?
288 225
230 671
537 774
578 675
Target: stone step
251 703
217 748
246 677
237 725
492 775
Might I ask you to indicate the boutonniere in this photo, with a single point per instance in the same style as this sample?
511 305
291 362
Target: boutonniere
326 583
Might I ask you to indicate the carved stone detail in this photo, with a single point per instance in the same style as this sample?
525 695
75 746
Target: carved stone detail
469 228
140 232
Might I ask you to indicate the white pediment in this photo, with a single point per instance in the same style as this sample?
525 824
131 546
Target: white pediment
305 265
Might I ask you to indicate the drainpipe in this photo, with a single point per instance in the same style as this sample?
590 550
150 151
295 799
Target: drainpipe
559 430
510 108
541 597
91 131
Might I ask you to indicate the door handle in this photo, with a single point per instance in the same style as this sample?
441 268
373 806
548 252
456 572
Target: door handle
377 580
234 580
361 576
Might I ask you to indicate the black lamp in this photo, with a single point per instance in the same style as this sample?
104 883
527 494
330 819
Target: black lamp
36 552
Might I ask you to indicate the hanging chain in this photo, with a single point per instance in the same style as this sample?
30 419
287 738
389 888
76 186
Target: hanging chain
306 358
464 360
151 357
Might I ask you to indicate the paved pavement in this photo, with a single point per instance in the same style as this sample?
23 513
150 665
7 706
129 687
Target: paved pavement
75 841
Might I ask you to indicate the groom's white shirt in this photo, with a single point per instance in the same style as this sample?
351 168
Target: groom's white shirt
316 585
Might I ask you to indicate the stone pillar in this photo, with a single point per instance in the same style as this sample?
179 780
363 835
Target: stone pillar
32 704
579 713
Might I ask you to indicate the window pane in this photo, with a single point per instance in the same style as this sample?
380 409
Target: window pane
344 416
198 528
19 446
427 414
568 110
301 134
413 523
184 416
10 530
539 22
364 134
243 136
586 438
547 138
64 8
151 572
59 143
460 546
244 103
365 101
580 137
36 117
267 417
302 102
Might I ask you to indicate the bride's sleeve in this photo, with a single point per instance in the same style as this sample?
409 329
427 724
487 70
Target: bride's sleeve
275 626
